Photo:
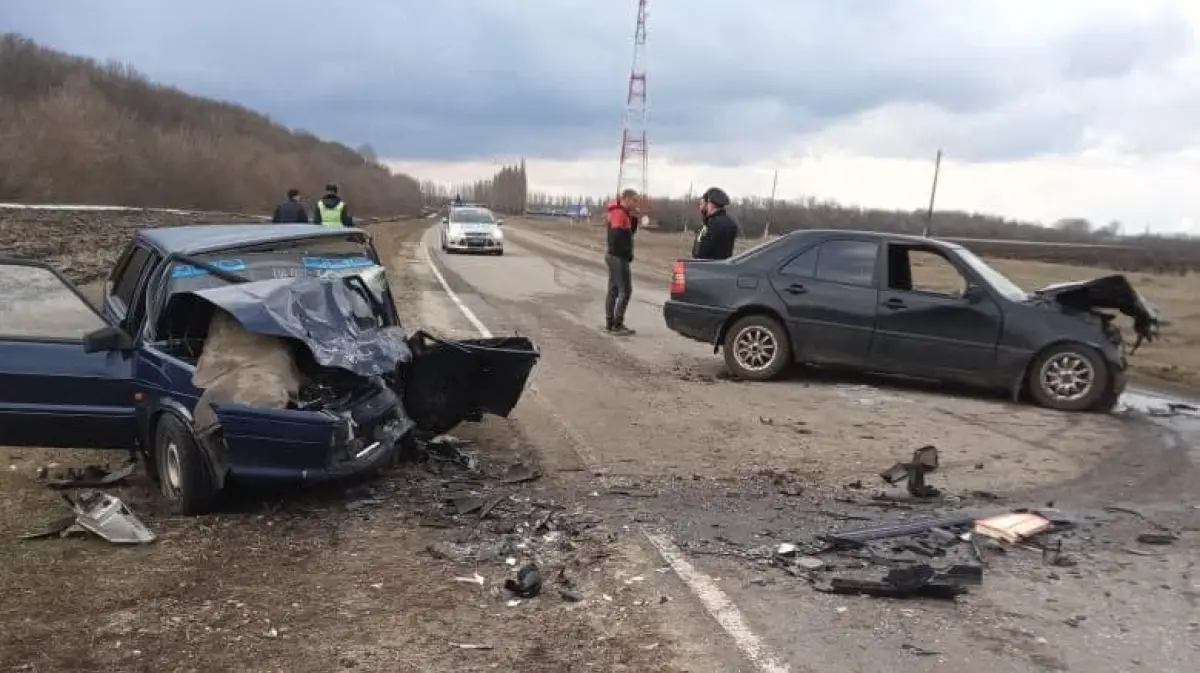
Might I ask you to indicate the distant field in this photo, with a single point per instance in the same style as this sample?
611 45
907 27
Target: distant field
1173 360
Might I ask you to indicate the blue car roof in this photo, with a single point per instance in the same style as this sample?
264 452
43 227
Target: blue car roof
201 238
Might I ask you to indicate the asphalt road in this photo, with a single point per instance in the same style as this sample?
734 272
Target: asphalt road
705 458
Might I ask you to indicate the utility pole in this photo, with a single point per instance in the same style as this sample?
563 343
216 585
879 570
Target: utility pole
937 167
688 201
771 204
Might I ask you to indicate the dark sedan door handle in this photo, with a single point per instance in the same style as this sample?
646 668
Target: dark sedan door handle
795 288
894 303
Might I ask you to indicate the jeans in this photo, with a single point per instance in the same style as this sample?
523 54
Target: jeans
620 286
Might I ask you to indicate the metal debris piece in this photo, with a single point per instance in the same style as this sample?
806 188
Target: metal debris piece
528 583
924 460
100 514
856 537
520 473
1158 538
58 528
108 517
471 646
915 580
633 492
92 476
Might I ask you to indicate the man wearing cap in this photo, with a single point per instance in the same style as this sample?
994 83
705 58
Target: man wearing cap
719 232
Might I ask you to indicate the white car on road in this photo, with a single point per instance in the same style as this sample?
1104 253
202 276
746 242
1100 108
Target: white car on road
472 229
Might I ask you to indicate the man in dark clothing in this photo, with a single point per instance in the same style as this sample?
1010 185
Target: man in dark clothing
331 210
622 225
718 234
290 211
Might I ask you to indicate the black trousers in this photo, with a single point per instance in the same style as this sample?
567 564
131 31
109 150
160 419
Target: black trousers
620 286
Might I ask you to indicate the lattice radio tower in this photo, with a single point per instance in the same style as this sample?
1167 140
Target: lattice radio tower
634 171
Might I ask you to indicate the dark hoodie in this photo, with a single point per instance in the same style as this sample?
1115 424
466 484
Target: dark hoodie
621 228
716 238
331 201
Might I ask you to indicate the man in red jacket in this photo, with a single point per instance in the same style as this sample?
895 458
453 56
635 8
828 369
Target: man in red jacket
622 225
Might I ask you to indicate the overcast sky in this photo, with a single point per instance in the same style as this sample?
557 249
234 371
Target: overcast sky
1045 108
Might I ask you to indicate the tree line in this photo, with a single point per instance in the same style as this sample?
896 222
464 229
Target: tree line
505 192
74 130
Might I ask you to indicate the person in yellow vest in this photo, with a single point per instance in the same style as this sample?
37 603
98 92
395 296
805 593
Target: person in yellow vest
331 210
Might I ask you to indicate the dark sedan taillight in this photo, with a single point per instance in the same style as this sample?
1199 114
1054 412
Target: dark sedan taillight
678 278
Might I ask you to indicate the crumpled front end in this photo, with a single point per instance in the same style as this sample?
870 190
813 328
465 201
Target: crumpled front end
1113 292
303 378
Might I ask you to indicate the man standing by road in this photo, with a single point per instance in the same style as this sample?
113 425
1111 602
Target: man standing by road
719 232
621 225
290 211
331 210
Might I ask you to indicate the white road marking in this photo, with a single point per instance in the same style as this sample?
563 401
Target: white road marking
715 602
458 302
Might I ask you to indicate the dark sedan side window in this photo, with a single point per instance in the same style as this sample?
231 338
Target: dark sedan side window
803 265
849 262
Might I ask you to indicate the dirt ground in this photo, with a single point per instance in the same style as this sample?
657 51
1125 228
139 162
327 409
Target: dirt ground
639 443
1173 360
358 577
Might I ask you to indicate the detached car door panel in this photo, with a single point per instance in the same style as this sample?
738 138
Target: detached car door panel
830 296
52 393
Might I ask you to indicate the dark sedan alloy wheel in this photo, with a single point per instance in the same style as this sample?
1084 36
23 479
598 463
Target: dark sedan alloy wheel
755 348
1067 377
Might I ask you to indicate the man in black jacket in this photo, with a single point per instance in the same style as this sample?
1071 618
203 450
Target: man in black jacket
718 234
290 211
622 225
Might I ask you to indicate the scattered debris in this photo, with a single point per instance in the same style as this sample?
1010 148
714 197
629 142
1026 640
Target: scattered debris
473 579
632 492
924 460
471 646
1158 538
520 473
91 476
919 651
100 514
528 583
936 556
1012 527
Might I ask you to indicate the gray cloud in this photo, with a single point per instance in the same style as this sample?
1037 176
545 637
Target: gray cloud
731 81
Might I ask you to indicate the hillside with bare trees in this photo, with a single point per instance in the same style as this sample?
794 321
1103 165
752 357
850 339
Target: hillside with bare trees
73 130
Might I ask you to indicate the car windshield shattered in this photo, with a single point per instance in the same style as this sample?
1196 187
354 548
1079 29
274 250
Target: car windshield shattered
997 280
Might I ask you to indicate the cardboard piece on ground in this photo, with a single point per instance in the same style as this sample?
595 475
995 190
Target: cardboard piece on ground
1012 527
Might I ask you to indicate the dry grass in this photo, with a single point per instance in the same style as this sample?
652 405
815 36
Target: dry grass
73 130
1173 360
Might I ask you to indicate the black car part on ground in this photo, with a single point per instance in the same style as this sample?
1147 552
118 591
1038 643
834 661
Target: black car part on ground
449 381
1113 292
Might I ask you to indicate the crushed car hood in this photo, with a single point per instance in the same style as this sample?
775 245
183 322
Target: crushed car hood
333 321
1108 292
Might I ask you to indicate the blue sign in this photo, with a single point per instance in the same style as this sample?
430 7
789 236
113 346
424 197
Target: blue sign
189 271
336 263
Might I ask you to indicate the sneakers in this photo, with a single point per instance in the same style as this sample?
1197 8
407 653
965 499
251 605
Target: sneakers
619 330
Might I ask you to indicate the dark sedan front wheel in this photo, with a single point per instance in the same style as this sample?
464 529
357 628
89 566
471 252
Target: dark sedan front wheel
757 348
1069 377
183 473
